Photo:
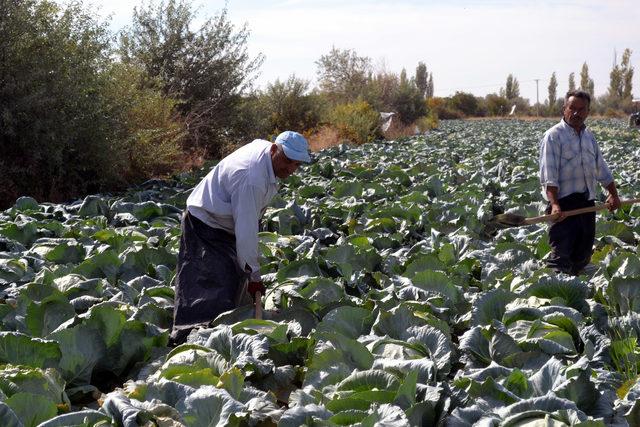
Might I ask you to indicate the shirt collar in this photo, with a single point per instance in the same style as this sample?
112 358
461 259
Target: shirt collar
569 127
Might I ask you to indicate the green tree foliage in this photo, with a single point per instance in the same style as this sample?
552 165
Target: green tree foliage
466 103
615 82
148 130
619 93
357 122
497 105
430 86
627 75
442 109
208 68
512 88
422 79
344 77
586 82
572 81
407 101
342 74
289 106
553 92
381 90
54 122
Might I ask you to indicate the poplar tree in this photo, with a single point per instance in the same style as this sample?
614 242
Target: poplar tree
512 88
627 75
422 79
572 82
620 81
553 91
586 83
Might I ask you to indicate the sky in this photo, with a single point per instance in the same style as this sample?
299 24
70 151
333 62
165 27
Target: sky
469 46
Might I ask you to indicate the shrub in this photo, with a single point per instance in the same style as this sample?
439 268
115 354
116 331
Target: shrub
497 105
443 111
357 122
149 132
325 137
464 102
408 102
380 90
289 106
57 138
427 123
206 66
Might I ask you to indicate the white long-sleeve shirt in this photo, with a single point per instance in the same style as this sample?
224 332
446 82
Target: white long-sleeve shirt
572 161
233 197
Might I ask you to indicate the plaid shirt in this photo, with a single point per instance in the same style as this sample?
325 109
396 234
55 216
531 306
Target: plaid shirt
571 161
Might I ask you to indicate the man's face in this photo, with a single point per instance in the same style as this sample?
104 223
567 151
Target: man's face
283 167
575 112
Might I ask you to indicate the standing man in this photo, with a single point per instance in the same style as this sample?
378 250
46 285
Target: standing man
219 243
570 165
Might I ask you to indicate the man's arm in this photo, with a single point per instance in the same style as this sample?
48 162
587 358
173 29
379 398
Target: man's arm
246 211
549 173
552 197
613 200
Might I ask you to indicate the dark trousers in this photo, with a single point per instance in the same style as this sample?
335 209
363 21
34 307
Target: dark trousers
572 238
207 277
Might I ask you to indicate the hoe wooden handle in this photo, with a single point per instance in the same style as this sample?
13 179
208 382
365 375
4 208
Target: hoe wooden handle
598 207
259 305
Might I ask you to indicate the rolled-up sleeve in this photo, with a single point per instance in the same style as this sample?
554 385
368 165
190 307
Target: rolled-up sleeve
549 162
603 174
246 210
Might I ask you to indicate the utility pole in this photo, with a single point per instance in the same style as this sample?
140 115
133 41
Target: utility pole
537 98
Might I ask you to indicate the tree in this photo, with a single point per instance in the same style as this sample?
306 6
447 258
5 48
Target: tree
497 105
553 91
627 75
615 84
403 77
465 102
208 68
422 79
149 133
55 119
620 83
356 121
342 74
380 90
430 86
572 82
407 101
586 83
289 106
512 88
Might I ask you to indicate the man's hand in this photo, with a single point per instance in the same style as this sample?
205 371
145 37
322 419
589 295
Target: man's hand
557 210
254 287
552 197
613 202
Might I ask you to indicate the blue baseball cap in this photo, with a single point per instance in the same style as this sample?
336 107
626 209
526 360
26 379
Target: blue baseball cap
295 146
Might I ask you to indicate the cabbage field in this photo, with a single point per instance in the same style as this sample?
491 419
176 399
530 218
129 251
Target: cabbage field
393 299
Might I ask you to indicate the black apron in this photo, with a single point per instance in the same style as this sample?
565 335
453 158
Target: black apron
208 279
